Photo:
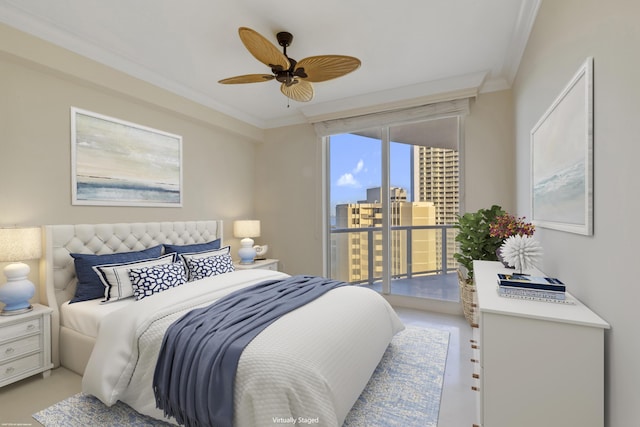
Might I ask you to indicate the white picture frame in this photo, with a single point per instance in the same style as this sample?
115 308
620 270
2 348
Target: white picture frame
118 163
562 159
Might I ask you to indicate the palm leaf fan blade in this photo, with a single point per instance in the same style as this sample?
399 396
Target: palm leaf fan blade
300 91
262 49
326 67
247 78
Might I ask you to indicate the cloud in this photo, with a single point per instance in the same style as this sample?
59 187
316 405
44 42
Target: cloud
359 167
347 180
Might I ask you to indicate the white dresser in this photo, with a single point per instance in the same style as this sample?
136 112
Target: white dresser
25 344
535 363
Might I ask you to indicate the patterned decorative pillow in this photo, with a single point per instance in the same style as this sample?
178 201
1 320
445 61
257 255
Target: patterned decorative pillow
199 268
147 281
115 277
186 257
205 254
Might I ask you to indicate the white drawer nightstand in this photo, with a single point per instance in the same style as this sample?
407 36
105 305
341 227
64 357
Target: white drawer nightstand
265 264
25 345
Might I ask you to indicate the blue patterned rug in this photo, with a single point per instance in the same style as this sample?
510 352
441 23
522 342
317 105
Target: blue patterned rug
403 391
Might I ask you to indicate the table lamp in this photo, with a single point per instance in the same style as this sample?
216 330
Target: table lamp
246 229
18 244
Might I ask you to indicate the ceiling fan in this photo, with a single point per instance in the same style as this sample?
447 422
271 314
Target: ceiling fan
295 76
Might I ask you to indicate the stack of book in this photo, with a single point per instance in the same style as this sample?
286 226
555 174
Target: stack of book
531 287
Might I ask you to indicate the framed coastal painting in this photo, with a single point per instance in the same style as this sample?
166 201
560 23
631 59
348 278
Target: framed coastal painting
117 163
562 159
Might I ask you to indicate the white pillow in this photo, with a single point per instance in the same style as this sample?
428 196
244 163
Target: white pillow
115 277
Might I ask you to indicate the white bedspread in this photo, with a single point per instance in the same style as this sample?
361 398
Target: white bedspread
85 316
311 364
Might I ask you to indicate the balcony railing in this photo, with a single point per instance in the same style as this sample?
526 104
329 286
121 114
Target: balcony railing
443 240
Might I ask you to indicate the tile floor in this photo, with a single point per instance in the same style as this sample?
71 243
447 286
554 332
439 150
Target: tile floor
19 400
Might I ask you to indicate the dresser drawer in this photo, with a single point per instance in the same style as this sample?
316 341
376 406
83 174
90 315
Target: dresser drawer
20 366
19 347
19 329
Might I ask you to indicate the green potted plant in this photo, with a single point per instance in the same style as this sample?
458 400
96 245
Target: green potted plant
475 239
475 243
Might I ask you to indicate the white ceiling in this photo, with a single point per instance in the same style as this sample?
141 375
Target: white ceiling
409 48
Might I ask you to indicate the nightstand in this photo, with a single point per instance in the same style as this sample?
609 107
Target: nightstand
265 264
25 345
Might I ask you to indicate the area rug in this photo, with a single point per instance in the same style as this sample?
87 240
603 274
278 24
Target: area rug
404 390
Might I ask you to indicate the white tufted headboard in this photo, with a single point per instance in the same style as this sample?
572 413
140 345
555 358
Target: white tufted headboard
58 272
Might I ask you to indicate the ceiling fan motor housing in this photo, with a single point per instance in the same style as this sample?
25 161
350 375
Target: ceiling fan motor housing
284 39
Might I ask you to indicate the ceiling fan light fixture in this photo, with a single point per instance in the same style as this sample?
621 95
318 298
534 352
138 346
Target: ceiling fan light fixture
295 76
300 91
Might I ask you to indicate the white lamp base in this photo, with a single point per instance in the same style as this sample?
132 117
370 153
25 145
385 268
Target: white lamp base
18 290
246 252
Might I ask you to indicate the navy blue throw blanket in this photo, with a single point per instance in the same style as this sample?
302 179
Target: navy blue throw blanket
196 369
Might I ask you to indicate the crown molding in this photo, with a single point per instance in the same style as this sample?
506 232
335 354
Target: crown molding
495 84
465 86
521 32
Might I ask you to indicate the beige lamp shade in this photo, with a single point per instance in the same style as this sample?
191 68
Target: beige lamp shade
246 228
20 244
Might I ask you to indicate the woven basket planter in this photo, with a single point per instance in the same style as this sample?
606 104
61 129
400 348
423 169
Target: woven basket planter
468 297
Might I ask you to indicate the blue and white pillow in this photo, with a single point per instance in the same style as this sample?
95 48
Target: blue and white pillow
187 257
115 277
199 268
148 281
204 254
89 284
195 247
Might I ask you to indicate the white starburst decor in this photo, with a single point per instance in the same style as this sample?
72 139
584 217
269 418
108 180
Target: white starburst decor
521 252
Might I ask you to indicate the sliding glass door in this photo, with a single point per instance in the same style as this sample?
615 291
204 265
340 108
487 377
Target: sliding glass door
393 196
355 210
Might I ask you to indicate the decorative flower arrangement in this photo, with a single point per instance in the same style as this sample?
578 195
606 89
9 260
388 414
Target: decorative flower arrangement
521 251
508 225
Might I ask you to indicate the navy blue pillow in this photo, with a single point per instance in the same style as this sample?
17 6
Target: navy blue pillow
196 247
89 284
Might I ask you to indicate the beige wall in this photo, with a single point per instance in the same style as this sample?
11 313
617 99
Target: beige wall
597 269
289 197
489 153
37 88
290 175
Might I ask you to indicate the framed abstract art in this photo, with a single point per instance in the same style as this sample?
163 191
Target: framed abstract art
119 163
562 159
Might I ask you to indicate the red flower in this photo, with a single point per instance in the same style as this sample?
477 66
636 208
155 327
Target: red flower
508 225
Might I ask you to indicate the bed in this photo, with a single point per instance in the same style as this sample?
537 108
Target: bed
310 364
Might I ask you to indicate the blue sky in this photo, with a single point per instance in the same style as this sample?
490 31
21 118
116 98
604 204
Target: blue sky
355 166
